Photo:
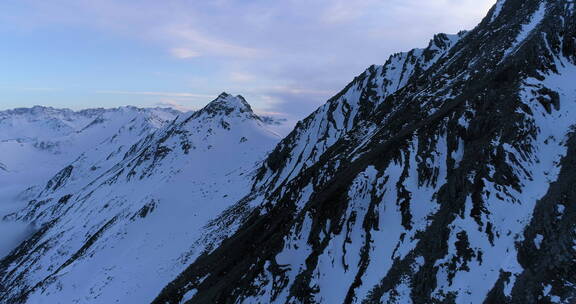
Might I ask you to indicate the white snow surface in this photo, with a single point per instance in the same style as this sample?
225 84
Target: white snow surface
138 198
36 143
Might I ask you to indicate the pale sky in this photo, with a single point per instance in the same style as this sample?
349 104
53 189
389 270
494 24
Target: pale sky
285 57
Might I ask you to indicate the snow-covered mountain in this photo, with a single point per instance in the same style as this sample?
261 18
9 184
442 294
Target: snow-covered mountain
445 175
35 143
133 204
443 178
38 142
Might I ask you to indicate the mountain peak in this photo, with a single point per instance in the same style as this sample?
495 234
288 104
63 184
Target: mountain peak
227 105
229 100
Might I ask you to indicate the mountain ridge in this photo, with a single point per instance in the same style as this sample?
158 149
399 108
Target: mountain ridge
494 141
408 186
106 200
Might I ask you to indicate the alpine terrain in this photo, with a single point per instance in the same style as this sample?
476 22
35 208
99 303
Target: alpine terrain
446 175
131 206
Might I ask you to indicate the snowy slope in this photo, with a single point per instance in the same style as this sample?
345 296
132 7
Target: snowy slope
445 175
136 212
36 143
42 140
455 187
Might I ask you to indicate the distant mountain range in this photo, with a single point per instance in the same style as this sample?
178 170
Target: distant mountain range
445 175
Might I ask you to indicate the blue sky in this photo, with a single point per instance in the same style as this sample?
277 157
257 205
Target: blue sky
285 57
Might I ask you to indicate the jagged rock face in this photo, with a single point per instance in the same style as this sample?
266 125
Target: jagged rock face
273 121
120 221
227 105
453 187
353 106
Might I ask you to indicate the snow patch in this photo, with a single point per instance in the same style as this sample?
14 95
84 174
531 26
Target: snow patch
189 295
538 241
527 28
497 9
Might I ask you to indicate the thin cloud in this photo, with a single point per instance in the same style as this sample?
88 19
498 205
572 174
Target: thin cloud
174 104
242 77
162 94
288 56
340 11
298 91
195 40
184 53
40 89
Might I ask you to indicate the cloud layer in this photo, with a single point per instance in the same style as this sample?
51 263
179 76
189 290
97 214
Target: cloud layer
284 56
